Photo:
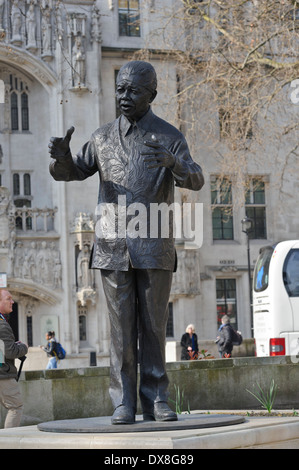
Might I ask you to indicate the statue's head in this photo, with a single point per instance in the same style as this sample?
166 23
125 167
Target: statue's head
136 88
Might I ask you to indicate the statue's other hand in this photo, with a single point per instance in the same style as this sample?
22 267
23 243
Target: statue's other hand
158 156
60 146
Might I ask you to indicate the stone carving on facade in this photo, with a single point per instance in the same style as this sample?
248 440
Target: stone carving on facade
82 230
29 304
46 34
78 56
38 26
95 33
76 34
82 227
28 259
59 22
6 217
1 15
7 232
84 274
5 115
31 28
38 262
16 21
85 295
18 260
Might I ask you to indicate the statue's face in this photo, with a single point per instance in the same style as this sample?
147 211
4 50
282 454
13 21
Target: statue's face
132 97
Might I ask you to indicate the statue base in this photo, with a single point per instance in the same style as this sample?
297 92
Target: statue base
103 424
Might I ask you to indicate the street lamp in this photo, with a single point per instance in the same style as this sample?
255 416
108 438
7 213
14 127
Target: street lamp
247 227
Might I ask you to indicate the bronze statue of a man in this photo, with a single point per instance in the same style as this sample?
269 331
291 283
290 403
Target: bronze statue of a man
139 158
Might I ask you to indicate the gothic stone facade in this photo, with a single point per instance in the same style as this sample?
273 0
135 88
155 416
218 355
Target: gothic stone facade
58 62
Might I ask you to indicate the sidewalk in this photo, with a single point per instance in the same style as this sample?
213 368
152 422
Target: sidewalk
257 432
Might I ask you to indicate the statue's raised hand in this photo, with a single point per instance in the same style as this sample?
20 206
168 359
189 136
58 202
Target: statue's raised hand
60 146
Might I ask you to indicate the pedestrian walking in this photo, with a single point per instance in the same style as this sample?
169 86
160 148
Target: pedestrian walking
50 349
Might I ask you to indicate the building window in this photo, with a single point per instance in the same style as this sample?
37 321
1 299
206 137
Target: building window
19 105
224 123
21 183
255 208
82 316
22 189
14 112
226 301
222 217
129 18
235 122
169 326
27 184
82 328
16 184
29 331
25 112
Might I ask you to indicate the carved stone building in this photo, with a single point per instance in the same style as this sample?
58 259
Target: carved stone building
58 63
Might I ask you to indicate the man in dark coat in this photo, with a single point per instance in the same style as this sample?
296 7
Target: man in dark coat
10 395
225 338
139 158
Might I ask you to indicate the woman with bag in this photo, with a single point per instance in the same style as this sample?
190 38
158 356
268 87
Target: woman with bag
189 344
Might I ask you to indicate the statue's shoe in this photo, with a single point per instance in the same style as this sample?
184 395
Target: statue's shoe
123 415
160 412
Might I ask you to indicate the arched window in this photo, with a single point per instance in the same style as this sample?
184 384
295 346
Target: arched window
82 328
22 198
16 184
19 104
82 317
25 112
14 111
29 330
27 185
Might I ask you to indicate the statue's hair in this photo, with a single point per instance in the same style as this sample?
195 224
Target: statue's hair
145 69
